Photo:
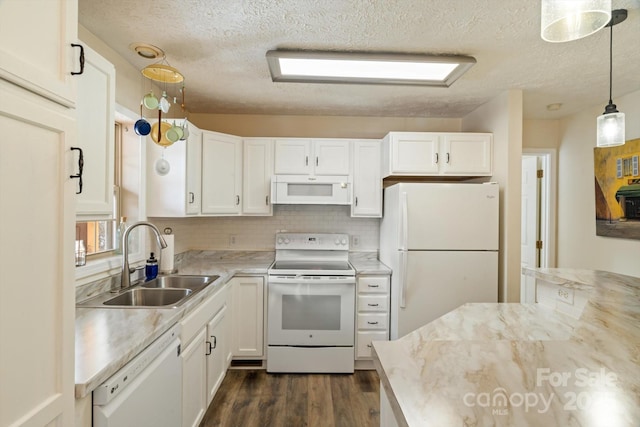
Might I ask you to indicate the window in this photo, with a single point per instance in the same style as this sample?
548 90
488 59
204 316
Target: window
100 236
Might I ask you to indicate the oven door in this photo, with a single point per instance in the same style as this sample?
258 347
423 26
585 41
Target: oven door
311 311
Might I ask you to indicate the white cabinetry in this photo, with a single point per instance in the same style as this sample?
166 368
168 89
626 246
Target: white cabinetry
221 173
217 344
432 154
36 218
37 211
95 108
311 156
35 47
257 168
367 179
205 339
372 319
247 324
194 376
177 193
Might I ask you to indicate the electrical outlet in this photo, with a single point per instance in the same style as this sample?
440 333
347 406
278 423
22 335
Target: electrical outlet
565 295
232 240
355 241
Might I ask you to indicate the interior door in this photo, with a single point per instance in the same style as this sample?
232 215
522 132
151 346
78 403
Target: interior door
530 219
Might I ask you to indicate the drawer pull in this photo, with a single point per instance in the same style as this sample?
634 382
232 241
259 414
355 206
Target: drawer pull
373 286
369 345
373 305
372 323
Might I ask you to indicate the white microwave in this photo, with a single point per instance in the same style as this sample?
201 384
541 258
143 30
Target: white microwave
310 190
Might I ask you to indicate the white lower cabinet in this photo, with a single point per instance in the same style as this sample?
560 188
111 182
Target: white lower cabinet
205 343
372 318
247 324
194 374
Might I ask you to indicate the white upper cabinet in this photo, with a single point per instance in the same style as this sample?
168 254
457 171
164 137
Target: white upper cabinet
292 157
35 47
95 114
257 168
221 174
432 154
467 154
367 180
311 157
410 153
177 193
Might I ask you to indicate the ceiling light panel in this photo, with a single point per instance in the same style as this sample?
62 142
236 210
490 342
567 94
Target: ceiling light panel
362 68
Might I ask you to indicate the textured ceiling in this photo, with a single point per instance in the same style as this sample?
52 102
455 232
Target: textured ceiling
220 46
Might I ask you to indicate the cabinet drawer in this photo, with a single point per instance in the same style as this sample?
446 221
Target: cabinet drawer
373 321
373 303
363 342
198 318
377 284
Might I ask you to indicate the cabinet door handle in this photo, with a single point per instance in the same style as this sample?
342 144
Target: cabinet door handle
447 158
372 323
208 348
215 341
75 73
356 201
369 345
80 169
317 160
237 200
192 197
266 200
437 158
306 160
373 305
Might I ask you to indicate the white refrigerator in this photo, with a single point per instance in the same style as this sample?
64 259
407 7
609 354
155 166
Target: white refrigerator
441 242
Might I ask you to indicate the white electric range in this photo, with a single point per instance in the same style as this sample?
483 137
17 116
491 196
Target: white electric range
311 304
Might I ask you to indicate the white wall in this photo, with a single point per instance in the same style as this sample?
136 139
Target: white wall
503 117
578 245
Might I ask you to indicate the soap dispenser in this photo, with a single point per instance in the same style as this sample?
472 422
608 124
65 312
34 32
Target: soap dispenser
151 269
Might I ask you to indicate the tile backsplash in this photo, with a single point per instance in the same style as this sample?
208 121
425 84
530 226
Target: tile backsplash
257 233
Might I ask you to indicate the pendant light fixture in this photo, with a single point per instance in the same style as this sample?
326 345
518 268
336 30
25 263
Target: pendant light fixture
611 122
567 20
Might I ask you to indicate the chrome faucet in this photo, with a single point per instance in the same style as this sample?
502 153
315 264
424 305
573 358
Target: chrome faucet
126 270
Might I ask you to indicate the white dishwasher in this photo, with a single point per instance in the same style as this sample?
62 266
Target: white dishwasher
147 391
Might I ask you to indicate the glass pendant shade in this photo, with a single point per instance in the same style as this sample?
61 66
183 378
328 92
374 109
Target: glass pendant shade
567 20
610 129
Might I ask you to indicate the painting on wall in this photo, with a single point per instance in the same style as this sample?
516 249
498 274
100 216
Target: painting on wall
617 181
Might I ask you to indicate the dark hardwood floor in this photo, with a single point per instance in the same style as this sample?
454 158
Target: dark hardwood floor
250 398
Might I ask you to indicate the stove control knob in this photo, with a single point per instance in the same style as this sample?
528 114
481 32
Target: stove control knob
280 240
343 241
337 241
286 241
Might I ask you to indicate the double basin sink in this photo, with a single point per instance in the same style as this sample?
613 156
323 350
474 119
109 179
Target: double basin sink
161 292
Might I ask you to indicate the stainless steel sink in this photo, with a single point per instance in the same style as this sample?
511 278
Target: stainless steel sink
180 282
161 292
149 297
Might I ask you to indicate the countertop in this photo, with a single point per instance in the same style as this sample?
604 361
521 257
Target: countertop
523 364
108 338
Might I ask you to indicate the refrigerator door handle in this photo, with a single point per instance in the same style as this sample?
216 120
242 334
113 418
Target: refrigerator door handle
404 218
403 279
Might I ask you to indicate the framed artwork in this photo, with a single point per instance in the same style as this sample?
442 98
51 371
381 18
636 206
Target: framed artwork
617 190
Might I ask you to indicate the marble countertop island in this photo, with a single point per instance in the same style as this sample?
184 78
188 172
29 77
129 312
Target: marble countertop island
524 364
